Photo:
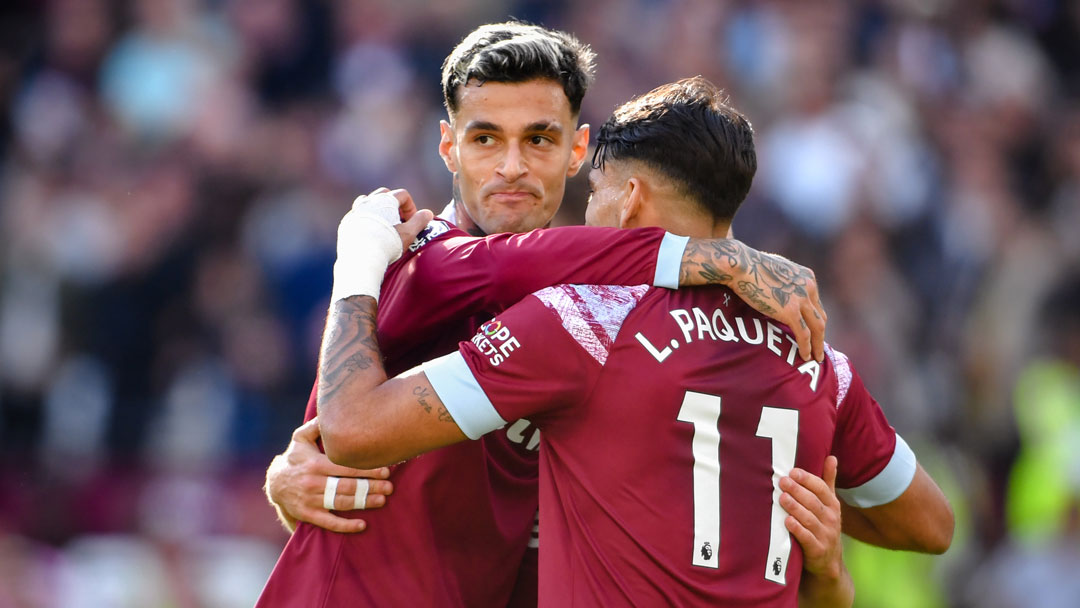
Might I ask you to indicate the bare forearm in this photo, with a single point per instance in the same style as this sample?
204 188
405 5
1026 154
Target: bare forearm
823 592
350 365
920 519
366 420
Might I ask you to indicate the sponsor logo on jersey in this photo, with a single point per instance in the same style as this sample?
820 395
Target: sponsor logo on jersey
495 342
433 230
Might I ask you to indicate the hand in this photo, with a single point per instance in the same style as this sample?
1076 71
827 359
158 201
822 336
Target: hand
405 218
777 287
414 220
370 238
771 284
296 480
814 518
406 208
794 289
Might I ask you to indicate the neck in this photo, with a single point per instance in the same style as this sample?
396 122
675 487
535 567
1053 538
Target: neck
466 223
683 220
461 214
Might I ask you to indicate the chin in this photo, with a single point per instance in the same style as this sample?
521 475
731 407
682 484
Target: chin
513 224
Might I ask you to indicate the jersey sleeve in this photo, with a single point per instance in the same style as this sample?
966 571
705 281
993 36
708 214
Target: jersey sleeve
875 463
523 363
499 270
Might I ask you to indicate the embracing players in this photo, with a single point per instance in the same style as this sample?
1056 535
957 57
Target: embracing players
462 518
668 418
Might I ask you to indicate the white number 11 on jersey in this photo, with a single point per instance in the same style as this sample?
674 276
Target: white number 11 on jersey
779 425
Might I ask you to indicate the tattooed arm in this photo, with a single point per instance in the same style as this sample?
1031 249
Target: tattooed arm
771 284
365 418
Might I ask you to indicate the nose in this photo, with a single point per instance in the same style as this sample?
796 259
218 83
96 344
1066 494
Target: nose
513 164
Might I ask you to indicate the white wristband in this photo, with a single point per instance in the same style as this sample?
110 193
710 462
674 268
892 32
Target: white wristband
367 244
383 205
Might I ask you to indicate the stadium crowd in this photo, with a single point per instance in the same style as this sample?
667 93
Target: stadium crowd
172 173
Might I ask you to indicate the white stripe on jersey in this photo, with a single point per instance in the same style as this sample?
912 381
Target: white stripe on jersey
887 485
459 391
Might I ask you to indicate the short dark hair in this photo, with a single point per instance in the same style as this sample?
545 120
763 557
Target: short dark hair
517 52
687 131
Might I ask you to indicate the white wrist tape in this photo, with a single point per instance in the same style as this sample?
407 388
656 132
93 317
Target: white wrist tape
367 244
383 205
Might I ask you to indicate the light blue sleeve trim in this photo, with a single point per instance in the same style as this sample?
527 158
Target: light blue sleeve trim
887 485
669 260
453 381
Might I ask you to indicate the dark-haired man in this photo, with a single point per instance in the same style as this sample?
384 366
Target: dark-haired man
463 517
668 418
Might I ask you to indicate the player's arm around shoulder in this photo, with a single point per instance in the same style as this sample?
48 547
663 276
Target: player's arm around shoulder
771 284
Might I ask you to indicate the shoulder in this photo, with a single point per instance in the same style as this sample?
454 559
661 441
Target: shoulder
435 229
593 315
842 369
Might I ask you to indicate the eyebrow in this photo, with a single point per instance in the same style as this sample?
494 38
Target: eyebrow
552 127
541 126
482 125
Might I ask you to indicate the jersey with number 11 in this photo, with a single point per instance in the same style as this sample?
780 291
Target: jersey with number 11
667 419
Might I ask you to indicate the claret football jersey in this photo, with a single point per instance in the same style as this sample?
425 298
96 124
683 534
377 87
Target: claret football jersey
461 518
667 419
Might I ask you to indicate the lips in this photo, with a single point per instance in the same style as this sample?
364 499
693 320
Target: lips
517 196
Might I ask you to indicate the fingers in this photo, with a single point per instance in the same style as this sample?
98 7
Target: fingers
802 336
806 487
410 229
321 465
810 545
804 516
802 500
334 523
831 465
406 206
376 497
308 432
816 330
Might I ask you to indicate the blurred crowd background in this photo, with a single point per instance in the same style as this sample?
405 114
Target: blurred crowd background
172 173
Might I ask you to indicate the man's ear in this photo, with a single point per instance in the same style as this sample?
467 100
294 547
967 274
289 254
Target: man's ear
446 146
632 209
580 147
